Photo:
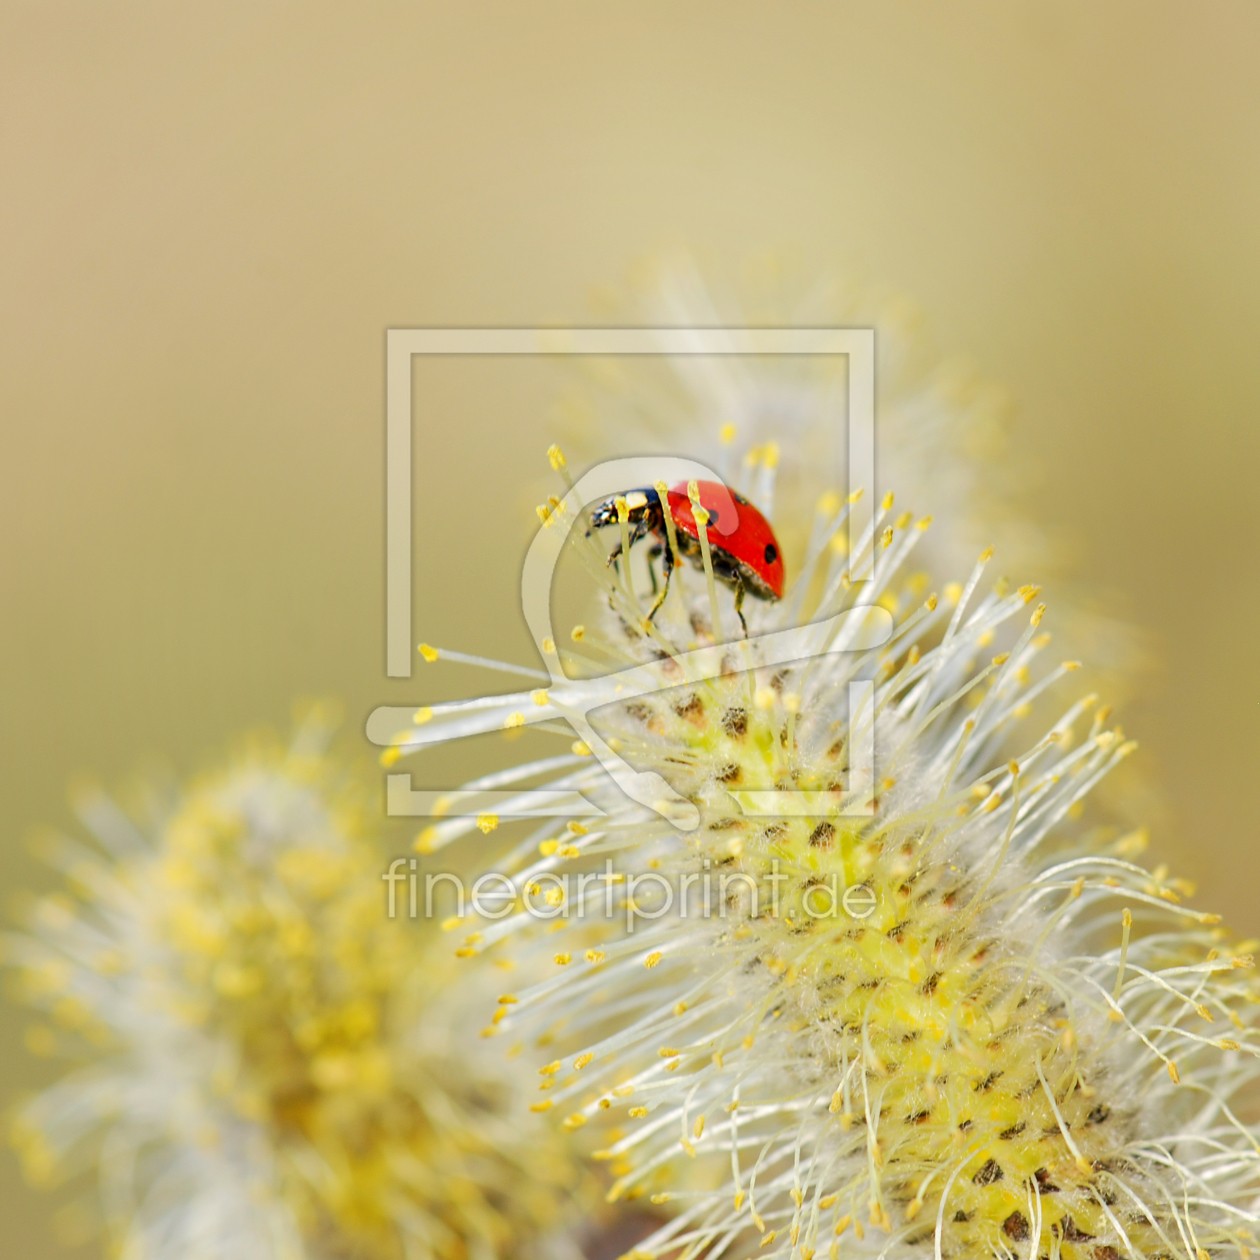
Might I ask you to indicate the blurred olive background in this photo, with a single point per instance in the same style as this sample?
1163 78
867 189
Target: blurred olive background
211 215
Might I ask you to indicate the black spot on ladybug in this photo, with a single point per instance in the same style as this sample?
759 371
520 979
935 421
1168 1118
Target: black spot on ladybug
713 516
739 498
772 553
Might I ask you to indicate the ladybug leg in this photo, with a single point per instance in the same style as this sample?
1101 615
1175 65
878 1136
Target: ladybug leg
637 531
739 603
654 553
667 567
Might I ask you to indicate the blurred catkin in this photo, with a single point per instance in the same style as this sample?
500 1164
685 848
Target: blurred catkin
265 1064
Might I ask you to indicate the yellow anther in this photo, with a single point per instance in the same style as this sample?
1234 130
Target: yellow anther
487 822
726 435
544 513
579 748
887 501
556 456
661 1198
508 999
1038 613
539 697
548 847
680 1008
668 1052
595 955
577 634
697 1129
563 960
1028 593
885 539
513 720
623 1091
1173 1074
770 455
652 959
426 840
390 756
551 1069
430 654
623 508
856 495
575 1121
637 1113
545 1105
582 1060
421 716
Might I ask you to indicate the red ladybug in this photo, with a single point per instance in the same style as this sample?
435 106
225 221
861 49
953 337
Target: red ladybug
745 552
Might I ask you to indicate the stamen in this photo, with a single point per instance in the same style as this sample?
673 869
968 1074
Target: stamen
702 528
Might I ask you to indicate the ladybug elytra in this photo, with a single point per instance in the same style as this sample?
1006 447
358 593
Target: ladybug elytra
744 550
